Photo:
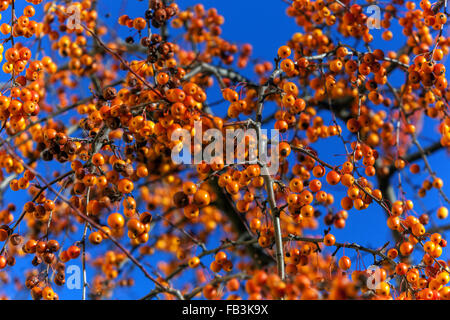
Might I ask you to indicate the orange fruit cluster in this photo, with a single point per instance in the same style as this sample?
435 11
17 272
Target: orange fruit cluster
95 161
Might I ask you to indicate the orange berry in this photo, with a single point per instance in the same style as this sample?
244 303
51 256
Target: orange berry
329 240
284 52
333 177
193 262
345 263
116 221
125 186
202 198
139 23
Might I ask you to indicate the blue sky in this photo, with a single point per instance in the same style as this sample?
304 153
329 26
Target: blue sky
264 24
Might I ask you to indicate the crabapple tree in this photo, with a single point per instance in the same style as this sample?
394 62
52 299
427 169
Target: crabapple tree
88 174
